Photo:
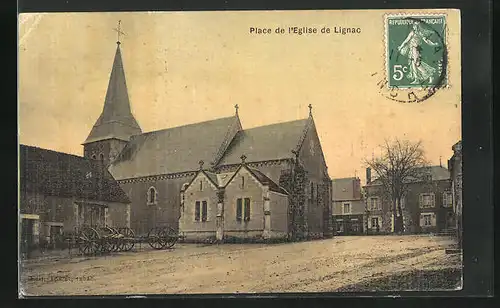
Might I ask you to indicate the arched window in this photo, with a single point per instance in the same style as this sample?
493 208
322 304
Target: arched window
152 196
93 156
242 182
101 156
201 185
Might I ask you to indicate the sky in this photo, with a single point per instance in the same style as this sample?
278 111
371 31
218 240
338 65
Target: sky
188 67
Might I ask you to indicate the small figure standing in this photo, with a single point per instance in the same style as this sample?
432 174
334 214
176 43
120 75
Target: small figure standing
412 48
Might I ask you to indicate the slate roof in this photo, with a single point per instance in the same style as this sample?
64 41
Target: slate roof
213 177
270 142
223 178
172 150
438 173
59 174
267 181
116 120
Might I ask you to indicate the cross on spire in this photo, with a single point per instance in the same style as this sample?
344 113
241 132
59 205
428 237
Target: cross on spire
201 162
310 109
243 158
118 31
236 107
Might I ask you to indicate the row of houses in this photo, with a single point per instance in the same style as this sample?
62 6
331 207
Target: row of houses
430 206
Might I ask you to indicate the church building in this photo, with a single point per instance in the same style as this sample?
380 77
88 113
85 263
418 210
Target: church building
214 178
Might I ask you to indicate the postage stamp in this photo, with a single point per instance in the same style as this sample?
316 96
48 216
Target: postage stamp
416 51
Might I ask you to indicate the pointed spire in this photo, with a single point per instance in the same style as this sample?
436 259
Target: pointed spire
236 107
310 110
116 120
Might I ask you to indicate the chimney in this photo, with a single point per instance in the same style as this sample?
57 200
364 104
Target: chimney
356 188
368 175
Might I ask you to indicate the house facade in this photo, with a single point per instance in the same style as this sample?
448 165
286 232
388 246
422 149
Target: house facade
154 167
426 207
455 167
241 205
348 206
60 193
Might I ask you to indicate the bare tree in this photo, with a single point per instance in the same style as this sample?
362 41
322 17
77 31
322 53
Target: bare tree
401 163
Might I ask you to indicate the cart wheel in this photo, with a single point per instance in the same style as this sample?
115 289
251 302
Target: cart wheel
107 242
88 241
154 238
127 242
169 237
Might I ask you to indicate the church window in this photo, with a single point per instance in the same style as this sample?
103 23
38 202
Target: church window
243 209
239 209
197 211
204 211
200 211
242 182
101 156
93 156
247 209
152 196
201 185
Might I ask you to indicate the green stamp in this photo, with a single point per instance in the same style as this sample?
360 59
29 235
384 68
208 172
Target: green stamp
416 51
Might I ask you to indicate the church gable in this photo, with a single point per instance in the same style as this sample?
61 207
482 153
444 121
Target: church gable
243 177
202 182
311 153
243 174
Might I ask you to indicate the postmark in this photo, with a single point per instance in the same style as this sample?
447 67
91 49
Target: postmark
415 57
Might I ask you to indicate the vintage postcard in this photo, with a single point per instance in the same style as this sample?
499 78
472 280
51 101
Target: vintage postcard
224 152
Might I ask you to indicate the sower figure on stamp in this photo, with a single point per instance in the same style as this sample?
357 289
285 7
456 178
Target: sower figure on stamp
411 47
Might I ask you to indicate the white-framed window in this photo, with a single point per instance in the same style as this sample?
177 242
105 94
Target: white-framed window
427 200
375 222
346 208
152 196
201 211
447 199
427 220
374 203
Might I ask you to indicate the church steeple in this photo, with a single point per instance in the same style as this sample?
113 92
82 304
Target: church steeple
116 124
116 120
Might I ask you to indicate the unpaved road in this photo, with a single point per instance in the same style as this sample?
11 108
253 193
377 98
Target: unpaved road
316 266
